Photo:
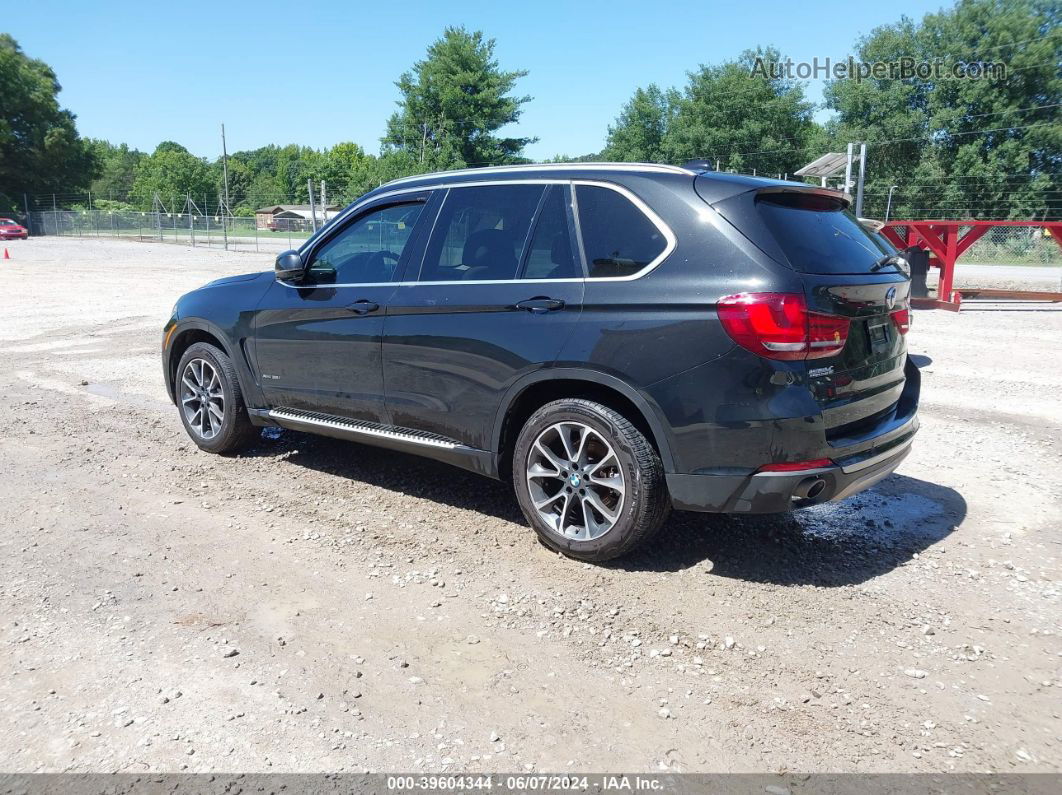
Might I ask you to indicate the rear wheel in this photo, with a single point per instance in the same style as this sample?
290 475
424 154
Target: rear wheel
589 482
211 402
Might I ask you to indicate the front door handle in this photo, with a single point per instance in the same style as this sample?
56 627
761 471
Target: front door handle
363 307
540 304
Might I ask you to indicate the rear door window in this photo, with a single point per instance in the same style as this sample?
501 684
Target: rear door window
618 238
818 234
550 255
480 233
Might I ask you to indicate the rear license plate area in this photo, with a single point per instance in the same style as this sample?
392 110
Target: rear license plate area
878 334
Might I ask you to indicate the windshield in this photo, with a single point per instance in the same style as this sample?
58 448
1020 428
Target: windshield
818 234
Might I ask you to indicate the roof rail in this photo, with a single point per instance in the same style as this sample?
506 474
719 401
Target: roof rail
643 167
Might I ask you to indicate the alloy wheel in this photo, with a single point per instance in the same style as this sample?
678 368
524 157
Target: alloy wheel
202 398
575 481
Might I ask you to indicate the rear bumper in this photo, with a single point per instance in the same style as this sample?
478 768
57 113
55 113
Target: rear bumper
775 492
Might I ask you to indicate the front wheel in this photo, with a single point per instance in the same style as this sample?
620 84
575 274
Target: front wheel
211 402
589 482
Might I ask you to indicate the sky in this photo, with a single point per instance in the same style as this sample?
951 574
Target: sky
320 72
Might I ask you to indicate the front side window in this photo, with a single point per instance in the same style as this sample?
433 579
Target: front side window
618 238
368 250
480 233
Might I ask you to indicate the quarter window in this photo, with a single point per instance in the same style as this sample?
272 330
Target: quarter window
480 233
618 238
550 254
368 250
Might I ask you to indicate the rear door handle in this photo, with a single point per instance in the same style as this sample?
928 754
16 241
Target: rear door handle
363 307
540 304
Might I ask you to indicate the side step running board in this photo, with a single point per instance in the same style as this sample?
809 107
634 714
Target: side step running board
311 421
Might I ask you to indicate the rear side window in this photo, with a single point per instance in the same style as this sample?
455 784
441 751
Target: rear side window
480 233
818 234
618 238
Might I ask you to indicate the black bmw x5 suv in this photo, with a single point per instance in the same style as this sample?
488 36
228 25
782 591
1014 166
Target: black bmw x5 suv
616 339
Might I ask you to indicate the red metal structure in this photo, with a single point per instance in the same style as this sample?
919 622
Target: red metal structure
946 245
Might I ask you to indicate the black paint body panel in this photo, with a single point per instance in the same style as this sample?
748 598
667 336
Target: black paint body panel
452 358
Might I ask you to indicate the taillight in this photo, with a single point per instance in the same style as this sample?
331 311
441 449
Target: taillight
902 319
779 326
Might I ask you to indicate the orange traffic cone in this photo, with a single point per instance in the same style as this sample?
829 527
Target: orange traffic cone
6 255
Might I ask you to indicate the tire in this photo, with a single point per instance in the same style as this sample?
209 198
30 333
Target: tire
623 514
234 431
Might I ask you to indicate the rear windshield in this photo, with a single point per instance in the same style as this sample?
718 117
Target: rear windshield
818 234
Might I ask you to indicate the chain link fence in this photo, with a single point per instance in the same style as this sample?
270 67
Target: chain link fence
213 231
1002 245
1015 245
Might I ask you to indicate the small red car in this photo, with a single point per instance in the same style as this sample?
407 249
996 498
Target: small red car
9 230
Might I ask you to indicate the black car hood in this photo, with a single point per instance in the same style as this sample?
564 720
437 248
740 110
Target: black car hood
243 277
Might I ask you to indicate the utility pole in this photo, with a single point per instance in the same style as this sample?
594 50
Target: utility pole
225 172
423 140
324 202
862 176
224 226
313 207
848 169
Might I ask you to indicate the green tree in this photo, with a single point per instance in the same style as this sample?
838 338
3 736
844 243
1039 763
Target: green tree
171 172
729 114
394 165
640 131
989 147
263 187
453 102
263 191
742 118
40 150
240 177
117 165
349 172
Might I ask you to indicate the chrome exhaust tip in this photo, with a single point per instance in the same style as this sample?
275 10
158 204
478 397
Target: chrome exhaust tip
809 488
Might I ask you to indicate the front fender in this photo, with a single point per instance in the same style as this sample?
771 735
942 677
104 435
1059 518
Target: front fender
175 334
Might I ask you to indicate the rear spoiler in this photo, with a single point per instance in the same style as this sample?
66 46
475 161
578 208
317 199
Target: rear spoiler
715 186
812 189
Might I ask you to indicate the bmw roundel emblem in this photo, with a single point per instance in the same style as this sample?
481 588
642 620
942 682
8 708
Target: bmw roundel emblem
890 298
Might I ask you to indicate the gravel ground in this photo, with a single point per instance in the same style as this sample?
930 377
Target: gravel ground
317 605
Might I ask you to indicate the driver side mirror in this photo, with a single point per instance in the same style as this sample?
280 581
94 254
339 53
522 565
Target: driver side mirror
289 266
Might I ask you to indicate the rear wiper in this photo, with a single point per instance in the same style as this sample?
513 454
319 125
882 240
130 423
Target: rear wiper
895 260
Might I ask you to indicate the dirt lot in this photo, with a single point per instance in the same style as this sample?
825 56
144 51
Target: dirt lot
319 605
